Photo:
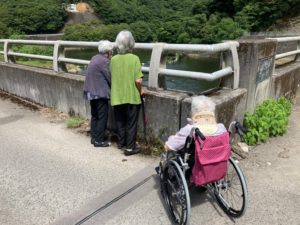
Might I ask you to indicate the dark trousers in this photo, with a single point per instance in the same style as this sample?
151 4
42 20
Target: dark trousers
99 112
126 116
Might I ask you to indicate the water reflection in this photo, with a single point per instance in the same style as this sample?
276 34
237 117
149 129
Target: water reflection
207 63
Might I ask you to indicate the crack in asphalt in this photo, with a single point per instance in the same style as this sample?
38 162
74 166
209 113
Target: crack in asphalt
114 200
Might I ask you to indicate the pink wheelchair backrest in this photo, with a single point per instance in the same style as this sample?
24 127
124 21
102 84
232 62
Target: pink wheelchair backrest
211 157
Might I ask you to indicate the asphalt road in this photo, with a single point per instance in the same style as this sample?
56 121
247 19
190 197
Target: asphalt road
52 175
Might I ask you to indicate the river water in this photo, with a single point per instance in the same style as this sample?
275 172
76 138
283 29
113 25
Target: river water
208 64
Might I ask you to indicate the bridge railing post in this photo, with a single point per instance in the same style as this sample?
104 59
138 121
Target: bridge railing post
158 60
230 59
58 51
257 58
235 65
7 49
297 58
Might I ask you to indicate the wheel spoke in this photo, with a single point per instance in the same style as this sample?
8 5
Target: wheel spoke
176 194
230 192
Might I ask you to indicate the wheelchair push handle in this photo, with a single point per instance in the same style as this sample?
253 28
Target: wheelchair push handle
239 128
199 134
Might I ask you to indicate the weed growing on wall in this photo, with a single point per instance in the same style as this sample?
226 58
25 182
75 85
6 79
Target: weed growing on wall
269 119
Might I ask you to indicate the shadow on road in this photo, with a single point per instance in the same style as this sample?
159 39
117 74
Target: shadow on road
10 119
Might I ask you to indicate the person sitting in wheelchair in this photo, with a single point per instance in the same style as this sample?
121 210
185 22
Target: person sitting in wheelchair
202 117
203 144
199 155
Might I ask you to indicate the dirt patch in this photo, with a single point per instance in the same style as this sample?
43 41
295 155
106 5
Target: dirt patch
284 154
55 116
20 101
84 128
52 114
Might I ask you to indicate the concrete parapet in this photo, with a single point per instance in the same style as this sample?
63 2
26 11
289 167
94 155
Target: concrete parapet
163 109
230 105
62 91
286 81
166 110
49 37
257 59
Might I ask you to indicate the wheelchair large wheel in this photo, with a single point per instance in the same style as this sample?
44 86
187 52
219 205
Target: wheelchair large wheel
231 191
176 194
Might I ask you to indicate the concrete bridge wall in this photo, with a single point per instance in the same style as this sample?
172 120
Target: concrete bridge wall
50 37
166 110
286 81
45 87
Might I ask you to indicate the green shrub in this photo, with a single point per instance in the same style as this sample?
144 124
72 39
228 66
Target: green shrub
36 63
32 49
93 31
269 119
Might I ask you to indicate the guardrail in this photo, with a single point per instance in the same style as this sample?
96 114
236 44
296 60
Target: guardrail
290 53
157 68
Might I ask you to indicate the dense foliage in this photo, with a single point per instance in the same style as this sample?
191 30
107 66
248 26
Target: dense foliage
259 15
30 17
173 21
185 21
269 119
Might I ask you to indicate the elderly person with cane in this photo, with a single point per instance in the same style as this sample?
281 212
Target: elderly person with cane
126 91
97 90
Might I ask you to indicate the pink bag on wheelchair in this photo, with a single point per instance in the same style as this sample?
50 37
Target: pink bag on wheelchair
211 157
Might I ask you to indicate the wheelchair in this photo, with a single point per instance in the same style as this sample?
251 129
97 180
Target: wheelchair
175 171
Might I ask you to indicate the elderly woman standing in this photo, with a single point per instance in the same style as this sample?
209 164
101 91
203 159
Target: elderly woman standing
97 90
126 91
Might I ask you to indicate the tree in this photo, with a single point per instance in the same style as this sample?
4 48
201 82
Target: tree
142 31
170 31
191 21
32 16
217 29
194 26
259 15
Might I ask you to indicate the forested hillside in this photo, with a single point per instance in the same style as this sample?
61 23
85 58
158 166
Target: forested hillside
172 21
30 17
183 21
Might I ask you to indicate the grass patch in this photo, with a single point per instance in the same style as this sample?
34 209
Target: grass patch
155 146
37 63
74 121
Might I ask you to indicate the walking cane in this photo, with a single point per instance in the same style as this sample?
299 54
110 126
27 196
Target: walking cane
144 118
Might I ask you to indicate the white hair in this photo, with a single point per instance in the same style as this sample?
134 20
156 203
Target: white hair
125 42
105 46
202 104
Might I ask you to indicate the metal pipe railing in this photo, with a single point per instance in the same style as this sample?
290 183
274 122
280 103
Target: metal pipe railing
200 48
290 53
286 54
31 56
197 75
157 63
286 39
